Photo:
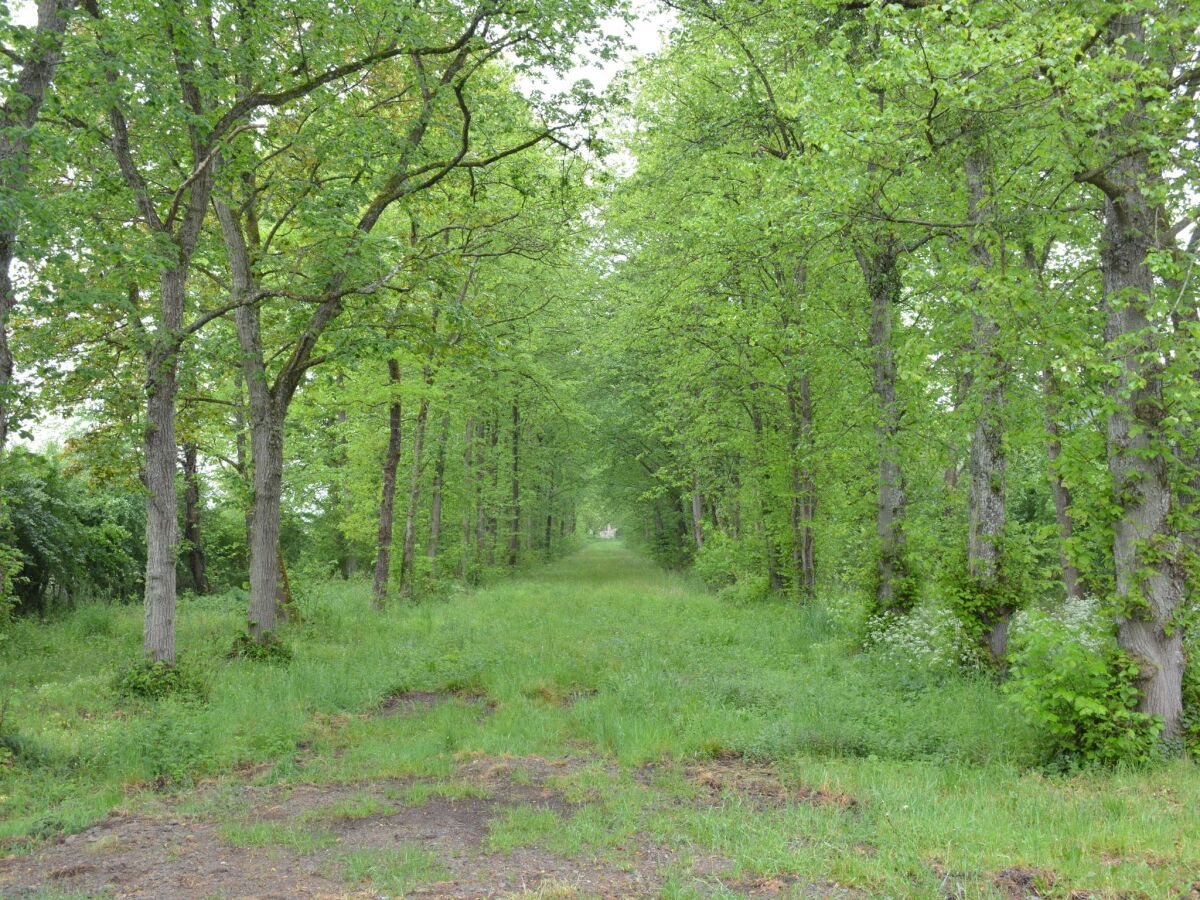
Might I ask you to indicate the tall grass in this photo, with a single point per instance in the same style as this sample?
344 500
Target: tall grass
599 654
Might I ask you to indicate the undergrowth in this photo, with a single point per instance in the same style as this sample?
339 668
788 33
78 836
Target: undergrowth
602 654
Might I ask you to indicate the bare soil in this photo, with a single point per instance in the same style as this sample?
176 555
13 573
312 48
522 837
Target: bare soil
165 854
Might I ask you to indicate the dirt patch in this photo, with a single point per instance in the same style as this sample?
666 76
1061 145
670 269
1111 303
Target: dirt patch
760 786
162 854
141 856
1020 882
407 702
556 696
789 885
311 830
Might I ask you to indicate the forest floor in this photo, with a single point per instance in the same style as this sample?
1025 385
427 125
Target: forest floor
595 728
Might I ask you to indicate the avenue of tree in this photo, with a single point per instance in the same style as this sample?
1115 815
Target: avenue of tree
890 298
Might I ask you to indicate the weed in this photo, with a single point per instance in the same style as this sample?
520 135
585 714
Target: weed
157 680
392 871
265 649
276 834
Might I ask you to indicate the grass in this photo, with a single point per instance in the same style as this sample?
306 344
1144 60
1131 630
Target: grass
391 871
602 657
275 834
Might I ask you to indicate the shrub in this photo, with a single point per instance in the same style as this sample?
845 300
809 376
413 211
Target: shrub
268 648
1078 690
746 590
148 680
719 563
931 637
1191 693
173 746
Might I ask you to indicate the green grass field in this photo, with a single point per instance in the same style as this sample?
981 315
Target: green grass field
900 784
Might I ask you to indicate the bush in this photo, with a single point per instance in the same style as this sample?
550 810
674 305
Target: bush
720 562
1078 690
268 648
746 590
1191 693
148 680
931 637
173 746
733 569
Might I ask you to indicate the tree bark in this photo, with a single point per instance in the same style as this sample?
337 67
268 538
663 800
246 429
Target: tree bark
881 271
469 478
803 486
191 521
774 579
1061 494
409 547
1147 549
268 411
435 499
1150 581
387 502
697 513
514 540
988 463
492 523
266 453
158 474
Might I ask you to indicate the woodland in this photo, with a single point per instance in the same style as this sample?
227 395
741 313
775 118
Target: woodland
337 341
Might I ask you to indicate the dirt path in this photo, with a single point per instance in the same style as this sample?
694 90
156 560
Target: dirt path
410 837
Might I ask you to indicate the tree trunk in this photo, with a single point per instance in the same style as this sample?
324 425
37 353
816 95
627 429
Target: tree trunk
1060 492
882 275
514 541
387 502
987 458
697 513
285 602
347 558
1150 579
1147 548
21 110
162 520
8 300
774 579
268 411
266 452
408 550
469 476
492 524
804 488
191 521
435 501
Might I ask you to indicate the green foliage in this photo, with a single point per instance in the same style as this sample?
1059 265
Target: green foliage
65 540
392 871
724 561
1080 694
1191 696
980 603
265 649
158 680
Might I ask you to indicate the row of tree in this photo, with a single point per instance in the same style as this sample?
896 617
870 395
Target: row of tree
904 296
227 222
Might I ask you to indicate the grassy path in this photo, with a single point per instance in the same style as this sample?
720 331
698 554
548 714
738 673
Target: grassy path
595 728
